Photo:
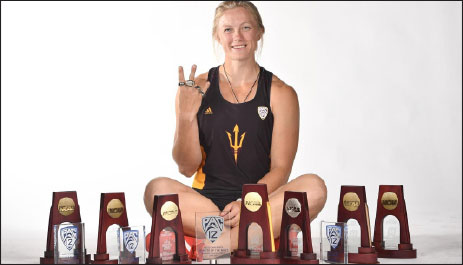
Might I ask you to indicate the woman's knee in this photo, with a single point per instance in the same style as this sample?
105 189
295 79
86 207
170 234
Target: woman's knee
315 184
157 186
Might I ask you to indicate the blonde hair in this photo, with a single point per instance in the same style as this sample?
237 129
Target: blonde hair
227 5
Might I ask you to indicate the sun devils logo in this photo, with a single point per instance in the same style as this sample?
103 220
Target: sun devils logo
68 236
212 227
131 240
333 232
262 111
235 146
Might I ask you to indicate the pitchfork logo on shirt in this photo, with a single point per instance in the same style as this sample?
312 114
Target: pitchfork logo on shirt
234 145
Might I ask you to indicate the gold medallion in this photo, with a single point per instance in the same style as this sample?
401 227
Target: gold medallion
169 210
293 207
351 201
389 200
115 208
252 201
66 206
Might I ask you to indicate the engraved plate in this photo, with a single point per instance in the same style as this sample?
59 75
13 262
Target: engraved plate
351 201
66 206
252 201
169 210
293 207
389 200
115 208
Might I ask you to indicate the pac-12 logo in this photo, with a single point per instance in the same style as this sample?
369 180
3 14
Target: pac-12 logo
131 240
68 235
212 227
333 233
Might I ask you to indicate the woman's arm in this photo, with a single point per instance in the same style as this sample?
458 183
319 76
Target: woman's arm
285 136
186 150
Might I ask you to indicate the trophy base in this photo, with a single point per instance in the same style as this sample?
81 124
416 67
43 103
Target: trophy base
51 260
304 258
103 259
405 251
129 260
47 260
365 255
243 257
180 260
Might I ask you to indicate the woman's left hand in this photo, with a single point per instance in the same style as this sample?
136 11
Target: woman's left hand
234 209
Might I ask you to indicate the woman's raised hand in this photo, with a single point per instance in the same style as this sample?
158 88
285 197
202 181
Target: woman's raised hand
190 93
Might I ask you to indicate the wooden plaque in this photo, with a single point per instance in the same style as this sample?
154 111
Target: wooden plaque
255 207
296 211
64 208
166 213
353 205
391 202
112 211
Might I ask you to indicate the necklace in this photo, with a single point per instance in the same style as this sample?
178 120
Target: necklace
250 90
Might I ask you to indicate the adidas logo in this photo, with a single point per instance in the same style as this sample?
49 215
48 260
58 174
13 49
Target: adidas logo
208 111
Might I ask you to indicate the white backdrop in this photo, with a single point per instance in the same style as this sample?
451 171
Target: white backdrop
88 94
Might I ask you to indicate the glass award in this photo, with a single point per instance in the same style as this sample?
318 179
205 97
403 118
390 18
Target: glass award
69 246
131 244
212 236
333 242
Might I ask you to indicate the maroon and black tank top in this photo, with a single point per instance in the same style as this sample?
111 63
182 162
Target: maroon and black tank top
235 138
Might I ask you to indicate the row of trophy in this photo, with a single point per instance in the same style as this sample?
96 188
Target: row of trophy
66 232
65 241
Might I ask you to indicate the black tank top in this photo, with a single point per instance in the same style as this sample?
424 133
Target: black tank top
235 139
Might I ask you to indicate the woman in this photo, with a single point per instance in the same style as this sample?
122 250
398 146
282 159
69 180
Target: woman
237 124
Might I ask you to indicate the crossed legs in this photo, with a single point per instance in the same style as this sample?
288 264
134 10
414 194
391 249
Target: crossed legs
191 201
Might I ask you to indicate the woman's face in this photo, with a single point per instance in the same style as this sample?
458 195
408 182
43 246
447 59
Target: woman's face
238 34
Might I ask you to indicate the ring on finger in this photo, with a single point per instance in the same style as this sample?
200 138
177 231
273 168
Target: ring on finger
181 83
200 90
190 83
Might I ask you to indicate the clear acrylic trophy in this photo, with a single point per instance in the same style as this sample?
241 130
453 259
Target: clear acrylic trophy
333 242
212 237
69 243
131 245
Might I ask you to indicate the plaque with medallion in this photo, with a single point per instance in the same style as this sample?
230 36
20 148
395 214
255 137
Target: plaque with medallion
353 206
391 202
166 217
112 212
64 210
255 208
296 212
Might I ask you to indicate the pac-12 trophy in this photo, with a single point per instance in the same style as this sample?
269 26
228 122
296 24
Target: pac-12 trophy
166 213
353 205
391 202
64 208
112 211
255 207
296 211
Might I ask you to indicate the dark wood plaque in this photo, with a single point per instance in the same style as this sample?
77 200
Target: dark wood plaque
296 211
255 207
353 205
166 213
112 211
391 202
64 208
